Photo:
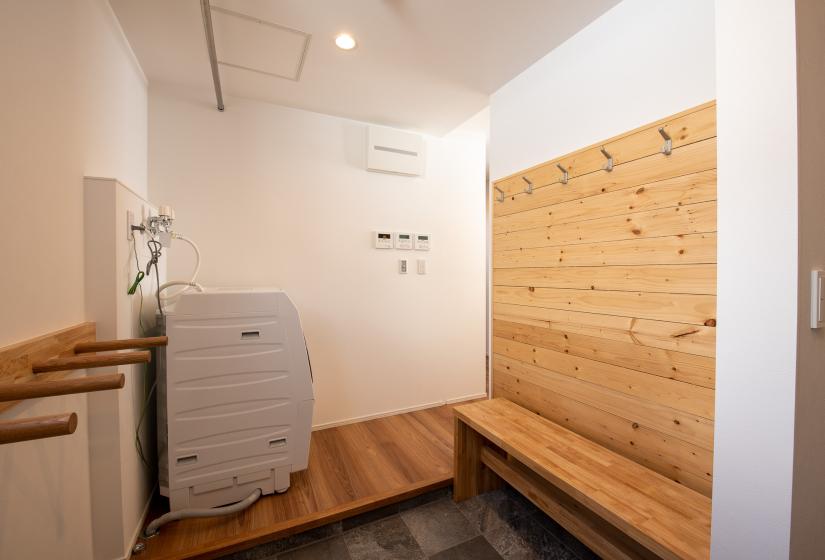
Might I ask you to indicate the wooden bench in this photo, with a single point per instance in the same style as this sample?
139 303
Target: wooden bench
617 507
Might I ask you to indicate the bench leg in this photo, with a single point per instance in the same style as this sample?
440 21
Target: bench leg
470 477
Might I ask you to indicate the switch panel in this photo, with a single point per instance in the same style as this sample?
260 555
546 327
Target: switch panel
404 241
402 266
422 241
422 266
816 298
383 240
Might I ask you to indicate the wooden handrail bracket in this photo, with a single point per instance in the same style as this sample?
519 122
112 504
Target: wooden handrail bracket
38 367
92 361
26 429
127 344
53 387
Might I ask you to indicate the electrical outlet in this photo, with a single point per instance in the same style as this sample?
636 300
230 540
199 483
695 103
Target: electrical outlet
130 221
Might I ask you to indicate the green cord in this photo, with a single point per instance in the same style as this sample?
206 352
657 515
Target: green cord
133 288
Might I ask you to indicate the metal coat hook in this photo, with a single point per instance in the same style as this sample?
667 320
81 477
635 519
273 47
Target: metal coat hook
529 188
500 196
566 176
667 149
609 166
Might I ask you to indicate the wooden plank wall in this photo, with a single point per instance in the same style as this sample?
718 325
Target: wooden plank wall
604 294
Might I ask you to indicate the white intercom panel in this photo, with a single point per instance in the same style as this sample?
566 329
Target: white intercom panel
422 241
404 241
383 240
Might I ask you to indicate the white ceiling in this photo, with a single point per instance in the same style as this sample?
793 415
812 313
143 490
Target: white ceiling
419 64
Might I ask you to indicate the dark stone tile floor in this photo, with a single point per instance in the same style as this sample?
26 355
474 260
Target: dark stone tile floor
493 526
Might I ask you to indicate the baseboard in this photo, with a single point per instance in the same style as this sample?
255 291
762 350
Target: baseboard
393 412
141 522
467 398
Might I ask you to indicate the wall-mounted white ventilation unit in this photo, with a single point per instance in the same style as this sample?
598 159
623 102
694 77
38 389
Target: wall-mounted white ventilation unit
395 151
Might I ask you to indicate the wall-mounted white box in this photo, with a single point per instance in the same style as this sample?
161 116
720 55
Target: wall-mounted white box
395 151
382 239
404 241
422 241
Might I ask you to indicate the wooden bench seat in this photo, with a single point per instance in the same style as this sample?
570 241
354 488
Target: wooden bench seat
617 507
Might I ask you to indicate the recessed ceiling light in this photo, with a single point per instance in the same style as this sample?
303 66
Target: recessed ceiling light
345 41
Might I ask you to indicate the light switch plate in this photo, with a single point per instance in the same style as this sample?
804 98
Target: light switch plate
130 221
817 277
402 266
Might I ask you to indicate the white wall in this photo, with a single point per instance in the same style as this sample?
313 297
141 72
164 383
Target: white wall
277 196
73 103
757 280
640 61
122 482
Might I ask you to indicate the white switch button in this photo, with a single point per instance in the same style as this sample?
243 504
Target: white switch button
422 266
402 266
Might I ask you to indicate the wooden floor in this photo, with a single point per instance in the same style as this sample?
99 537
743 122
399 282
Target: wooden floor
352 469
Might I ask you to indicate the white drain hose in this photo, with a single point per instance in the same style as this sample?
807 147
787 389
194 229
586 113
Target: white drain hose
153 527
192 281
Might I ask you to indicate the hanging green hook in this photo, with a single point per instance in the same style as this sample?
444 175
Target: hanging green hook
133 288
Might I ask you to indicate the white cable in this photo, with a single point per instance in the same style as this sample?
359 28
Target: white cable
192 282
152 529
179 283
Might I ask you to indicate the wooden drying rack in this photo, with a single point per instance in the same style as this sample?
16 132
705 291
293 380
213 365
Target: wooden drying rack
39 367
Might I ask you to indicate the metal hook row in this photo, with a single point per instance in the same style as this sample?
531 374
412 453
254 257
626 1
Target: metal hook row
667 149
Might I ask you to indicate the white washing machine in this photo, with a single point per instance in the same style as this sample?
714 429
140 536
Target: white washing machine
235 396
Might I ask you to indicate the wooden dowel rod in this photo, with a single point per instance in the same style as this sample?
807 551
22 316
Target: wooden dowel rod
51 388
92 361
111 345
36 428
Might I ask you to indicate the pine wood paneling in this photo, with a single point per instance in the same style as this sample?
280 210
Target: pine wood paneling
674 394
688 368
672 279
690 339
678 249
681 220
679 308
604 295
678 424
